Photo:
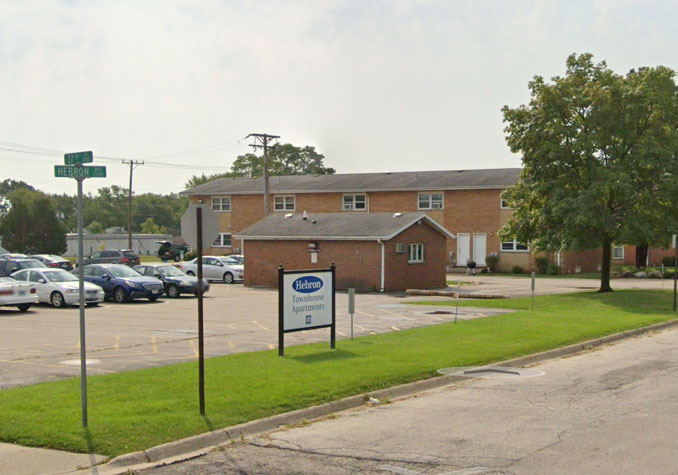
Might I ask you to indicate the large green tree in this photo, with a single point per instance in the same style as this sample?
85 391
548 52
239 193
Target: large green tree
283 159
7 186
31 225
600 164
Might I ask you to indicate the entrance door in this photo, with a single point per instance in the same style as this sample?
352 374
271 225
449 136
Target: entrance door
463 248
479 248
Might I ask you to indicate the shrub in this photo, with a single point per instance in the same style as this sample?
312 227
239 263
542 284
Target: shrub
668 275
190 255
542 264
669 261
552 269
491 263
517 270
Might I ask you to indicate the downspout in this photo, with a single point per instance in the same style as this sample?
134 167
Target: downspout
383 254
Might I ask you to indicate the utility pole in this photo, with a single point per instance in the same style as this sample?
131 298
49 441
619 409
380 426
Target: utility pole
132 165
262 141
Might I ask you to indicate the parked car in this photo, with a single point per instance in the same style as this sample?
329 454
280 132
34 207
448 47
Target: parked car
175 281
171 252
121 283
114 256
19 294
238 257
51 260
8 266
13 255
59 288
216 268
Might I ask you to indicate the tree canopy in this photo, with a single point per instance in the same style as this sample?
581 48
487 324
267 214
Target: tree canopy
599 154
283 159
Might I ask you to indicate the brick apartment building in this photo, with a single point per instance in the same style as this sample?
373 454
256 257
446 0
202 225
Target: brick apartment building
376 251
467 202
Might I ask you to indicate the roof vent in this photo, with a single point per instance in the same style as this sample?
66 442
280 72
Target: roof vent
305 216
397 215
288 215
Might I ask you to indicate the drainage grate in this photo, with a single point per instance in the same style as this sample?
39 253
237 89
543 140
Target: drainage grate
491 372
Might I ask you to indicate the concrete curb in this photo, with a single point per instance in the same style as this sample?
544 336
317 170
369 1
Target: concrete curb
203 443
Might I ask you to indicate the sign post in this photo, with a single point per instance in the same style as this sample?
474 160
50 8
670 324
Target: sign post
675 269
351 306
200 223
306 301
75 169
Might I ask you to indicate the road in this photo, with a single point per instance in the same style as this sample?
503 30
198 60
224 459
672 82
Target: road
612 410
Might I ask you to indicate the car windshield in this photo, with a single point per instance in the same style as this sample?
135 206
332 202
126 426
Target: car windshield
30 263
229 260
171 271
122 271
60 276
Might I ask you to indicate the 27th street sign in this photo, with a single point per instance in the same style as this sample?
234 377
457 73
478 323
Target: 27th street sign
78 158
65 171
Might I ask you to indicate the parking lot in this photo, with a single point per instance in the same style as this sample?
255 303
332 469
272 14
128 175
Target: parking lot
43 343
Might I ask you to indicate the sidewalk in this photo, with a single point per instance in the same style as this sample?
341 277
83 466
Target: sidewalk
15 460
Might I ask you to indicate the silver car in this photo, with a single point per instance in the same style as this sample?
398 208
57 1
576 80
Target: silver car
216 268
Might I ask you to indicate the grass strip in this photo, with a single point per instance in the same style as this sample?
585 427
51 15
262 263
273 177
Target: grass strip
136 410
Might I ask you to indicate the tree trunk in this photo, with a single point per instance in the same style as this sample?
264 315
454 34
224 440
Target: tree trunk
641 256
605 271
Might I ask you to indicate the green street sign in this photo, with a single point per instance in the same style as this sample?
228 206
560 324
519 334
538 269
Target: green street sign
62 171
78 157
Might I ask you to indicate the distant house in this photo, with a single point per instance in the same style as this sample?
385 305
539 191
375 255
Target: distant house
376 251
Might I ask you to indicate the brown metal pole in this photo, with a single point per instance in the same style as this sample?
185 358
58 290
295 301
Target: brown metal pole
201 343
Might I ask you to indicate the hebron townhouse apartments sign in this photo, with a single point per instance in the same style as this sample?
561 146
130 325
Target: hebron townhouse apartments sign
305 302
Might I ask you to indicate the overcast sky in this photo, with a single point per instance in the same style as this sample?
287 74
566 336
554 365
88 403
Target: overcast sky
373 85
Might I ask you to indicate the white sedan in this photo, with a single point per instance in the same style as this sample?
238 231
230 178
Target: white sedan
216 268
59 287
19 294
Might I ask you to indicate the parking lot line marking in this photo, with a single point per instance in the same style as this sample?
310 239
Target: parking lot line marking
436 318
230 345
154 344
195 350
271 347
397 314
230 326
341 333
260 325
362 328
364 313
116 347
396 329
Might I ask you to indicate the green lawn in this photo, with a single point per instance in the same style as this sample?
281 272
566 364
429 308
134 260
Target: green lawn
139 409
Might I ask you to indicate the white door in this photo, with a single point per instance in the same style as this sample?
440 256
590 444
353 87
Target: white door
479 248
463 248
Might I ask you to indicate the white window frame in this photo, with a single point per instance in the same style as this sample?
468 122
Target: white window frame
220 201
431 202
283 203
514 246
221 240
616 254
352 205
415 253
503 203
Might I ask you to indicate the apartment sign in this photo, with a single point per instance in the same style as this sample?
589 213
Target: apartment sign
305 302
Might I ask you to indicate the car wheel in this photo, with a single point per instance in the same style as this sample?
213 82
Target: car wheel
191 273
228 278
24 307
153 299
93 304
57 300
119 295
173 291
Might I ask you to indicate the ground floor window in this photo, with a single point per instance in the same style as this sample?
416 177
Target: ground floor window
617 252
415 253
224 240
514 246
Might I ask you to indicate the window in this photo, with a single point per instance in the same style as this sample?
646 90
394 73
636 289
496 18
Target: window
415 253
430 201
224 240
283 203
514 246
503 203
617 252
400 248
221 203
353 202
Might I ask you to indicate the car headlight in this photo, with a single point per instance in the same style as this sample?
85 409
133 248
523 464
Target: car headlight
71 291
185 284
134 285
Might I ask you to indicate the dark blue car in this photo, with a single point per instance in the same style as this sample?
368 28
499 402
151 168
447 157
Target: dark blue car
176 281
121 283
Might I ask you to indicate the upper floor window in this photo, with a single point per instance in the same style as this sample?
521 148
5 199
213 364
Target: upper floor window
354 202
224 240
504 204
430 201
415 253
514 246
221 203
283 203
617 252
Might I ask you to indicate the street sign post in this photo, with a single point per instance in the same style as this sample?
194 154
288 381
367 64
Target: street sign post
200 223
75 169
78 158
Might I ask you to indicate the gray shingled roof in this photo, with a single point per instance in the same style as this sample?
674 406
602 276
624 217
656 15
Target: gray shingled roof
356 182
342 226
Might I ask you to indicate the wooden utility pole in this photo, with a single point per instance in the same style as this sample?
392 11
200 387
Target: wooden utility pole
262 141
132 165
